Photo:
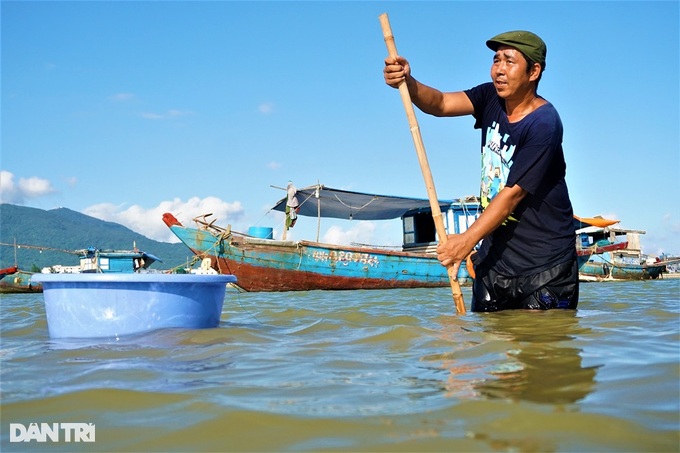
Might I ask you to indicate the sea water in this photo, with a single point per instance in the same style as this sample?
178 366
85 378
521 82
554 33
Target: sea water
393 370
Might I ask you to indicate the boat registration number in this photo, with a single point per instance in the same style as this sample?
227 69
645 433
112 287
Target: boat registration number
346 257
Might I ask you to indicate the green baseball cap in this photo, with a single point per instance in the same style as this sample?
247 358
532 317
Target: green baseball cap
526 42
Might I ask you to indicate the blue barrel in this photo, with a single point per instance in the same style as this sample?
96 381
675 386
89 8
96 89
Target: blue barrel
261 232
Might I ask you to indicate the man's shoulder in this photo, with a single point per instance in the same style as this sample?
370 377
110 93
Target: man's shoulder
484 99
485 89
543 117
547 109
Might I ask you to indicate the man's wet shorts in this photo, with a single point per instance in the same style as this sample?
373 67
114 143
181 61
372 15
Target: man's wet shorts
556 287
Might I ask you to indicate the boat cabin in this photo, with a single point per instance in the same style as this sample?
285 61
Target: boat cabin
420 233
93 260
115 261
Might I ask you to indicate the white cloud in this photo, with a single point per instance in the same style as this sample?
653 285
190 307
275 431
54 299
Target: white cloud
266 108
23 190
274 165
172 113
361 233
149 221
6 185
670 223
122 97
151 116
35 187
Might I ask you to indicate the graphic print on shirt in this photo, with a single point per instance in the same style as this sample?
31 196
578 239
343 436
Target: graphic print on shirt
496 163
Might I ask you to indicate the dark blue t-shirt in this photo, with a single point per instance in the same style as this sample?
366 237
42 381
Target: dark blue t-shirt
539 234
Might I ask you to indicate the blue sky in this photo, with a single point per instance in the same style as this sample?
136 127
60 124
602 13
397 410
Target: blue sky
126 110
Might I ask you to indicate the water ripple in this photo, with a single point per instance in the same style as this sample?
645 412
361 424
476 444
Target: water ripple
363 370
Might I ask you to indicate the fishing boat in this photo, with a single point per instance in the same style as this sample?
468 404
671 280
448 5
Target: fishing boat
8 270
262 263
93 260
590 244
14 280
623 260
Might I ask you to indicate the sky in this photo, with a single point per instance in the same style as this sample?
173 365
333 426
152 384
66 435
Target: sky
126 110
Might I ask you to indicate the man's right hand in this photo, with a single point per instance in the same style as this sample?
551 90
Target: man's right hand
396 71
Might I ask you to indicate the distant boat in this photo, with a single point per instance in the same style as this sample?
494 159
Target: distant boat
625 262
262 263
14 280
92 260
590 244
8 270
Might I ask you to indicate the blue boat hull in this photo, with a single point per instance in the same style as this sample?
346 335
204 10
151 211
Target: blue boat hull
272 265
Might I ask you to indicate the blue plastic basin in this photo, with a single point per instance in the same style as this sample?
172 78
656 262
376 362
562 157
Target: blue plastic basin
109 305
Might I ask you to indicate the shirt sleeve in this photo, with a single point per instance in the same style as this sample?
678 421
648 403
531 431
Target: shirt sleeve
480 97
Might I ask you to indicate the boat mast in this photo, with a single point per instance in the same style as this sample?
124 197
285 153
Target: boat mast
318 211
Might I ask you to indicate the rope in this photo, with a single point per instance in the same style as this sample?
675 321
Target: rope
352 207
238 298
72 252
306 199
194 260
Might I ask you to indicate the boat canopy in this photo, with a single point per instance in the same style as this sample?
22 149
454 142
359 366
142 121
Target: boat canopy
91 252
322 201
597 221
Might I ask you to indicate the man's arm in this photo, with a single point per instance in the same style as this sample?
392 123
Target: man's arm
458 246
429 100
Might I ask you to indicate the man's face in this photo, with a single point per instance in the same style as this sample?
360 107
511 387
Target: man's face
509 73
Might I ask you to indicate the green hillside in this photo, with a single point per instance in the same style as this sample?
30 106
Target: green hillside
50 233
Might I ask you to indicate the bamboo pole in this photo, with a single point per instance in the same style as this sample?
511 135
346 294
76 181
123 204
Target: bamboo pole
424 165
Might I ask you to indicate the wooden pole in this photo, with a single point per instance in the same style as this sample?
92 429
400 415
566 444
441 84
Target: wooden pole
424 165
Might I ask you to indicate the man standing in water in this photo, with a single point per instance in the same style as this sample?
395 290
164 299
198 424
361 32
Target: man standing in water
527 258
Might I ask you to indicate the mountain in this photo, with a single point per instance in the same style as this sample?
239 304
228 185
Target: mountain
52 234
